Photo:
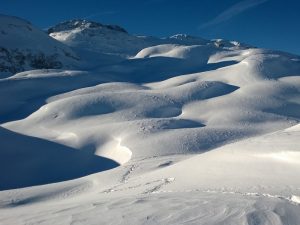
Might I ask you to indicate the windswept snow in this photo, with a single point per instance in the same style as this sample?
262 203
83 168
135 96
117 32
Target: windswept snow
178 130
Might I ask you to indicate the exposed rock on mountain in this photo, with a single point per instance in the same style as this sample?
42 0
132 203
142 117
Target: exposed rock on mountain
24 47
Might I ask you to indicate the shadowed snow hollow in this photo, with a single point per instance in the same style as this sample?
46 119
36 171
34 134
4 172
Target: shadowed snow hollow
30 161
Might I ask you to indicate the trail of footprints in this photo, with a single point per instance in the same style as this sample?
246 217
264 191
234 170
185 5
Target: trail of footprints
154 186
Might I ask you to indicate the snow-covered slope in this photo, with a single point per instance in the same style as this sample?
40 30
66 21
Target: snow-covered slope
24 47
205 132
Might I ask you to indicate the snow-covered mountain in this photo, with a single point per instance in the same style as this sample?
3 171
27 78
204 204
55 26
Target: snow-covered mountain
25 47
113 39
92 36
80 44
99 44
197 132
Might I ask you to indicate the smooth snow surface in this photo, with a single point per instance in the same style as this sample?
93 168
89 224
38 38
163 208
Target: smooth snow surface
179 130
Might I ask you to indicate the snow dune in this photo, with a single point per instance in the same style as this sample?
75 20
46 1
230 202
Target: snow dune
170 131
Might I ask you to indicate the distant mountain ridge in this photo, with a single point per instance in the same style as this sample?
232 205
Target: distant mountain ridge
82 44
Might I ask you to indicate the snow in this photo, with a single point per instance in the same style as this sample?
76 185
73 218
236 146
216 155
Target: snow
25 47
177 130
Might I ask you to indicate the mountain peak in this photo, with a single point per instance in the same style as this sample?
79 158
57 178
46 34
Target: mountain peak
82 24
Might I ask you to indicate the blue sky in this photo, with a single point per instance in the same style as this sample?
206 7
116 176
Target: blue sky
264 23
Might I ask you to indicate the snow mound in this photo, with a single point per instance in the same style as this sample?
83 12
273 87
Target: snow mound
194 54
